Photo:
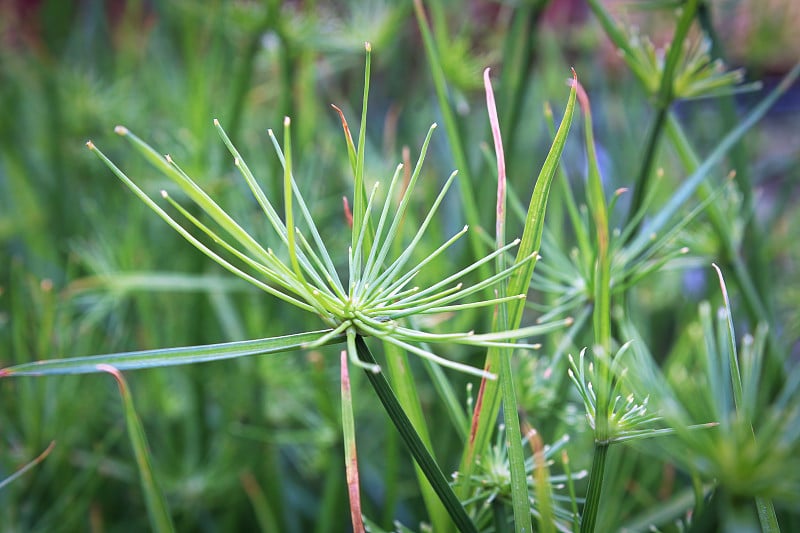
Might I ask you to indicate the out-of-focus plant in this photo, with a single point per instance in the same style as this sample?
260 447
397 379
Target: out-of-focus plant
752 453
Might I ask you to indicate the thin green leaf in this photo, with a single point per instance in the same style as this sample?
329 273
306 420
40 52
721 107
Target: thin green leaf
157 510
415 444
168 356
485 414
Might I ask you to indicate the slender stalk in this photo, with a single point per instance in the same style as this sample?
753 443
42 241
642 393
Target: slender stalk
350 453
518 49
516 458
767 516
664 100
592 505
156 503
406 390
414 442
500 517
454 135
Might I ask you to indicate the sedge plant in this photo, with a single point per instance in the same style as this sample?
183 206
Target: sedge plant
378 297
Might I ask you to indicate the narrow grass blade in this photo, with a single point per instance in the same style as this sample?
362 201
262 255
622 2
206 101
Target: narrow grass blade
468 201
542 486
534 221
287 197
730 344
168 356
265 516
359 188
598 207
348 138
486 412
406 390
516 456
350 455
19 473
160 519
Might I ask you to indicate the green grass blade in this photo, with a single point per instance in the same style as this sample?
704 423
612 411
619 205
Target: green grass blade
157 510
406 390
534 221
468 202
359 188
516 457
486 412
598 207
291 233
168 356
265 516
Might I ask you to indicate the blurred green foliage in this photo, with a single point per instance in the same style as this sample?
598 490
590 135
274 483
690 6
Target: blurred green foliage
257 442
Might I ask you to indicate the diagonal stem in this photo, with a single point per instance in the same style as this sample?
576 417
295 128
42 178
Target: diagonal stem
664 100
414 442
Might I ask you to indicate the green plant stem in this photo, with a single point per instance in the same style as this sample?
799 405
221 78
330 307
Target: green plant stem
592 505
157 510
406 392
414 443
755 307
518 49
664 100
767 516
500 517
516 457
468 203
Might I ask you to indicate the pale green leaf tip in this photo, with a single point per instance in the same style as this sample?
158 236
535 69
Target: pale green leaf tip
90 145
164 194
287 121
368 46
216 123
121 130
